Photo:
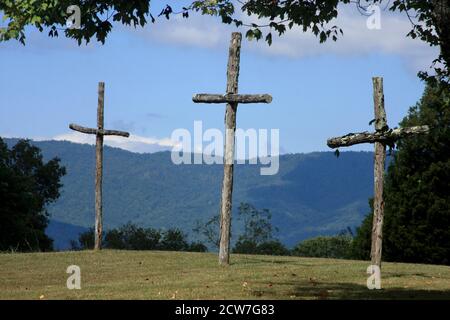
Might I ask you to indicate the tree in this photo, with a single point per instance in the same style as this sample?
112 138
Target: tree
209 231
417 189
132 237
361 245
273 248
257 225
197 247
86 240
335 247
258 233
27 187
246 247
430 19
174 240
52 16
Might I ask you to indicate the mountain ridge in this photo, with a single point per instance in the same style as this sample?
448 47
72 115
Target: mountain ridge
313 194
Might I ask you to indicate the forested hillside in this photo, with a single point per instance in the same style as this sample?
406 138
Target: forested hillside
313 194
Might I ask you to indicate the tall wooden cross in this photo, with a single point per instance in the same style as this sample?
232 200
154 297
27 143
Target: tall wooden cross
381 137
100 132
232 99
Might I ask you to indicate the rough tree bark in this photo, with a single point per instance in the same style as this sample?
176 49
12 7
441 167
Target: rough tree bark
230 125
385 137
96 131
232 98
380 158
99 168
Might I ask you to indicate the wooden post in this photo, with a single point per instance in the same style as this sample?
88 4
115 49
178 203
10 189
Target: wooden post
232 99
100 132
230 127
379 166
99 168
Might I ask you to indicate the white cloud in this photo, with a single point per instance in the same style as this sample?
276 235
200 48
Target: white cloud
209 32
190 32
358 40
134 143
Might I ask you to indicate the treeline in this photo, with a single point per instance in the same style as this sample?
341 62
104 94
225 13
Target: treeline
257 238
132 237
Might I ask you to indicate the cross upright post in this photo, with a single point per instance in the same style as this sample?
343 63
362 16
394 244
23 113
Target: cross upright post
100 132
381 137
232 99
379 165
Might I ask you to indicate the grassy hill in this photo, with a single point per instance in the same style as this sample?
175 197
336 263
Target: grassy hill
313 194
176 275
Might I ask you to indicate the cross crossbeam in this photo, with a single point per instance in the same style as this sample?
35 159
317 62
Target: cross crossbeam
385 137
232 98
97 131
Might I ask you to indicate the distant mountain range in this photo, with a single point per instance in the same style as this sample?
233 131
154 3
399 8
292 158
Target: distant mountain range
313 194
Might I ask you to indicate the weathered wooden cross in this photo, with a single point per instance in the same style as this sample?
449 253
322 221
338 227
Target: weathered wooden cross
232 99
382 137
100 132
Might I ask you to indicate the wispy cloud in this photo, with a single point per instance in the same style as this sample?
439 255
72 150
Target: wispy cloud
134 143
358 40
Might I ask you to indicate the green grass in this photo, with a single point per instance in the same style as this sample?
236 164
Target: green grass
173 275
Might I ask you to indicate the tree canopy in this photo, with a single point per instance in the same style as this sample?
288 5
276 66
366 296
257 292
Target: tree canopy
429 18
27 186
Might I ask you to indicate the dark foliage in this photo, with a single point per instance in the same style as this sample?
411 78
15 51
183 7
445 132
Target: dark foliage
27 186
272 248
132 237
209 231
257 237
174 240
336 247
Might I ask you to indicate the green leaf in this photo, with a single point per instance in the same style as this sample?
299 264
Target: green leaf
269 39
249 35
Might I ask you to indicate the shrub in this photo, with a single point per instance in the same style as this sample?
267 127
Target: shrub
338 247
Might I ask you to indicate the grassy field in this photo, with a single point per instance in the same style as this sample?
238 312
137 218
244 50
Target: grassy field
168 275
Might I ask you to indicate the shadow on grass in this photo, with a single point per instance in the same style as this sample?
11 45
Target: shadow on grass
350 291
404 275
258 260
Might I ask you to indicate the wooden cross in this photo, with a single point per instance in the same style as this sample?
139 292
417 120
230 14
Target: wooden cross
232 99
100 132
381 137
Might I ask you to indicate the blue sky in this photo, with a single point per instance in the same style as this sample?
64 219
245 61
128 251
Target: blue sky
318 90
